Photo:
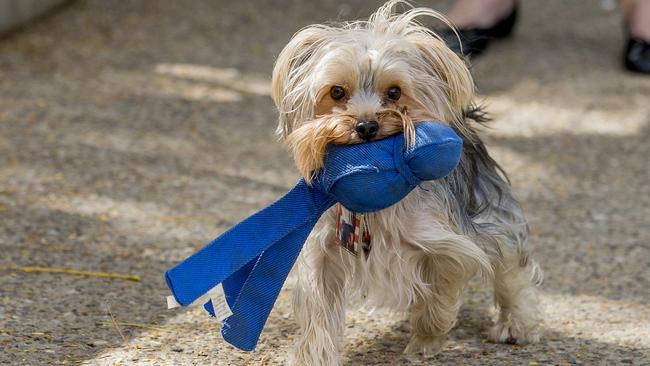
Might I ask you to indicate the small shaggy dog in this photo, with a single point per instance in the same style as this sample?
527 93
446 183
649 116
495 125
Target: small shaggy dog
365 80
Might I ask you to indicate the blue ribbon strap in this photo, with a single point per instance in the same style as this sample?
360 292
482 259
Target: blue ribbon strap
260 252
253 259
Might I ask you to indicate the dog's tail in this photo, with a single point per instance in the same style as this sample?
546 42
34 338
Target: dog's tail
477 113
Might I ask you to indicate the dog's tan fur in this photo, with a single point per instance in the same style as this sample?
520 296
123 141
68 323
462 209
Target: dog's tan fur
428 246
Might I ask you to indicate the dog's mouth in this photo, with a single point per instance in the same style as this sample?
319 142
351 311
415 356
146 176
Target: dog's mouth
309 141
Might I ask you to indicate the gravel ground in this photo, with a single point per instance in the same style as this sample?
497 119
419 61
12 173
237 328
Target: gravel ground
132 133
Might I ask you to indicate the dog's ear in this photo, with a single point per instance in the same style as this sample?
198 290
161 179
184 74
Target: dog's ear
450 69
289 85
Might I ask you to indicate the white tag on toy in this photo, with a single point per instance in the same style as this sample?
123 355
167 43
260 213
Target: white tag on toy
216 295
219 303
172 303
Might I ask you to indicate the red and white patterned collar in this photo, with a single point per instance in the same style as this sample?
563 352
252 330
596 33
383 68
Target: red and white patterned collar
352 232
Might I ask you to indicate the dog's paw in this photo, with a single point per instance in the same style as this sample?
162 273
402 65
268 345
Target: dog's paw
309 351
512 332
426 346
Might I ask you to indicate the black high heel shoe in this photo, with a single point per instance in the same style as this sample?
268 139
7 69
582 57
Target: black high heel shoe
475 40
637 55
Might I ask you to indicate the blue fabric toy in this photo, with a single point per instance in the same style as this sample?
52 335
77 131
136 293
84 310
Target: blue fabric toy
253 258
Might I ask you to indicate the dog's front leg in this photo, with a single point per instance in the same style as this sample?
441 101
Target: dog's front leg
319 302
434 314
447 265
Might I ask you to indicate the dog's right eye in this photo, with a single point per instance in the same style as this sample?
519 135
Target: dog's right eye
394 93
337 92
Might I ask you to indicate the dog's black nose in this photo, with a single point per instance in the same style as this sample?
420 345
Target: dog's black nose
367 129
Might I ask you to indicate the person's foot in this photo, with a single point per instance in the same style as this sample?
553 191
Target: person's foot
477 23
637 55
637 52
470 14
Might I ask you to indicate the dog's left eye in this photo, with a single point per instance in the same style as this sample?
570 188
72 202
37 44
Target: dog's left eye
337 92
394 93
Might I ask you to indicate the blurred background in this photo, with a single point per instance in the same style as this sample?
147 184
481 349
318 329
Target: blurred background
133 132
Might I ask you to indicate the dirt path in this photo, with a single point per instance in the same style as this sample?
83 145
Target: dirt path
132 134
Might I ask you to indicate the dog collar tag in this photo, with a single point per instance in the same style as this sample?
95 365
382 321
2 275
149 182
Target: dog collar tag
352 231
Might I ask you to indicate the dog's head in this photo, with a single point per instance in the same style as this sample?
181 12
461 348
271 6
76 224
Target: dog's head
365 80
